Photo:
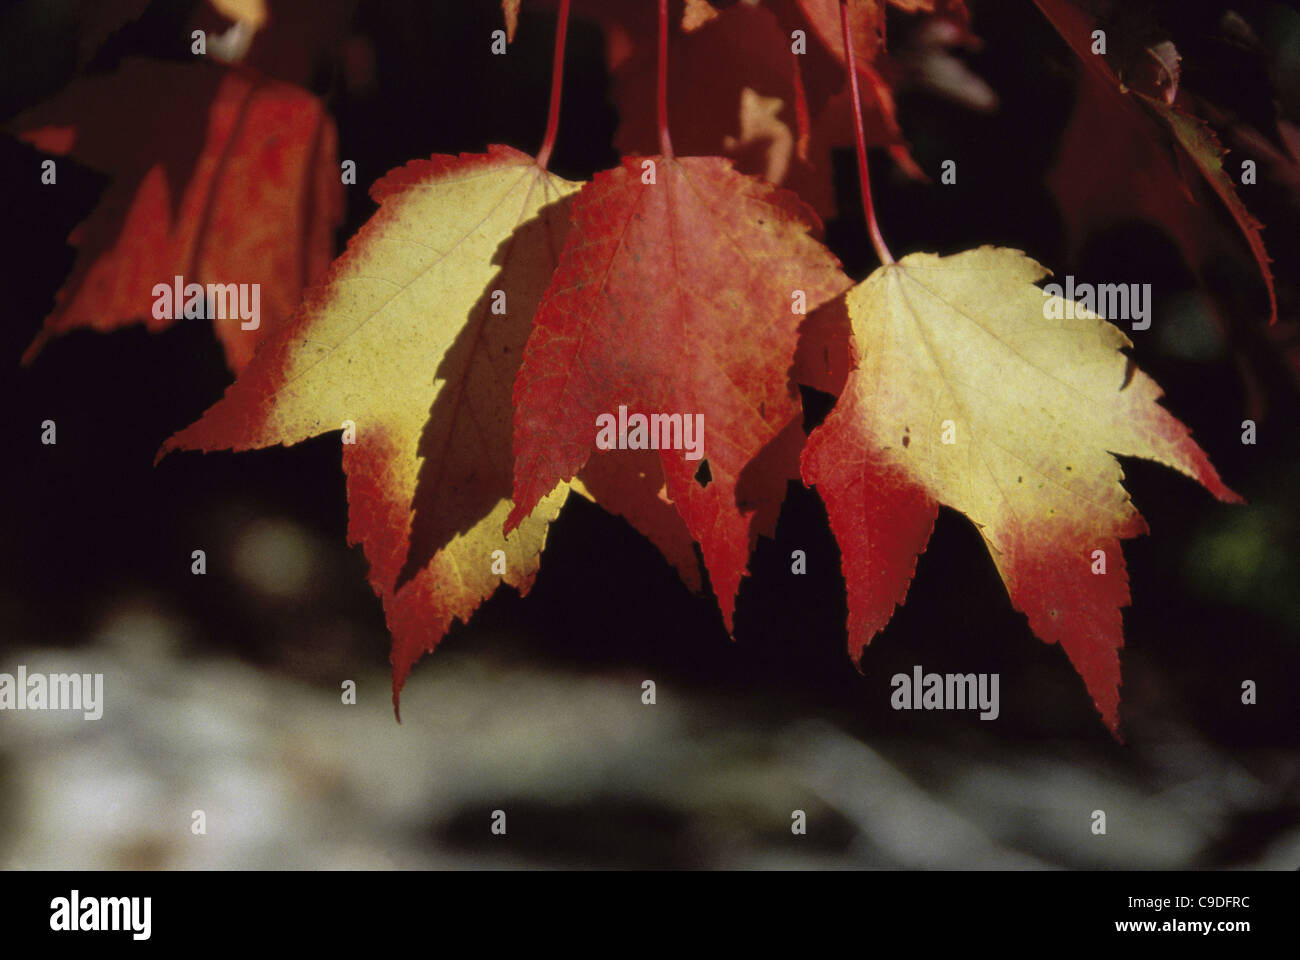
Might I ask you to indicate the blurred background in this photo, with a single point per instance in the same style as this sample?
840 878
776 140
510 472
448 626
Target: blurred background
223 690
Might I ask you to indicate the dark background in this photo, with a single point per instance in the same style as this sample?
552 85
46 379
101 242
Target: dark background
92 524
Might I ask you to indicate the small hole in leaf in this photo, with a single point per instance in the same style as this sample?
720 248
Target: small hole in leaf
907 441
702 476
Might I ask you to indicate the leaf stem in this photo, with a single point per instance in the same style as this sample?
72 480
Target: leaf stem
665 142
868 208
557 85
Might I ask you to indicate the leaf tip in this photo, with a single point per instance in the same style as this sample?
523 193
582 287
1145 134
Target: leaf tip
400 672
1231 496
35 347
168 445
513 519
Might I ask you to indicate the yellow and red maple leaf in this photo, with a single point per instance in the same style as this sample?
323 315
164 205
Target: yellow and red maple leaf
976 389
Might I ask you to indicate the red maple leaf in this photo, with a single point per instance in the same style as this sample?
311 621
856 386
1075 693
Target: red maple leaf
679 297
219 176
1154 160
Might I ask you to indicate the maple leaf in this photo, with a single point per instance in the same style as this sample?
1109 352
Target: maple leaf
962 349
740 92
733 94
403 342
1202 146
867 25
676 298
866 20
1150 144
219 176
